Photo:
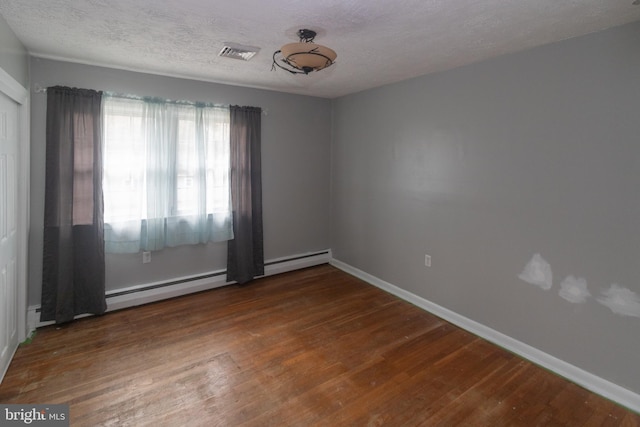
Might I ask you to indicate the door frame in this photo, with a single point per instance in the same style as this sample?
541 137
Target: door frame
14 90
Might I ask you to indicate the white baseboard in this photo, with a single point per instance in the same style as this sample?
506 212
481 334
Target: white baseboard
591 382
151 292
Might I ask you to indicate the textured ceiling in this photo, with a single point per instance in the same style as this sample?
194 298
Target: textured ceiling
377 41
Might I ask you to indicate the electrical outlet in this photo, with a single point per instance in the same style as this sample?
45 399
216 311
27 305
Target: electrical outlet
427 260
146 257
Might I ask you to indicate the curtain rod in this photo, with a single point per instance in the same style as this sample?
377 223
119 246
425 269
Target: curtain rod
160 100
37 88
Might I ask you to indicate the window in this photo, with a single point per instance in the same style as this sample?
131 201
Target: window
166 174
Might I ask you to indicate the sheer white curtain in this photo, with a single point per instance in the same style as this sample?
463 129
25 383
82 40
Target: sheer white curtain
166 174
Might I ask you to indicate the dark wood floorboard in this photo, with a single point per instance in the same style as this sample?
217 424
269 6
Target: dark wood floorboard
314 347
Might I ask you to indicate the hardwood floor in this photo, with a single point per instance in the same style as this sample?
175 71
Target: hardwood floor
312 347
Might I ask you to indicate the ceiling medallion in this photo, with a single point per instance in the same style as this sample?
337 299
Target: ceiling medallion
305 56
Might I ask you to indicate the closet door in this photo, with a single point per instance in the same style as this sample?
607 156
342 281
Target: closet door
9 157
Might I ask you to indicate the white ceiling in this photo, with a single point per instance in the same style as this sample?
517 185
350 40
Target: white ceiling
377 41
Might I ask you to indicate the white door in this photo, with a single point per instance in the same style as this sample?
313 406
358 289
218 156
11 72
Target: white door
9 157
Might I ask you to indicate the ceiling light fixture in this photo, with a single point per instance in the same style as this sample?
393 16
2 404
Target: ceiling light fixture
305 56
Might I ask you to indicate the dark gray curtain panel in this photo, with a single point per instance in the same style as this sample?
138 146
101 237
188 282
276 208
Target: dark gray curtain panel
245 254
73 271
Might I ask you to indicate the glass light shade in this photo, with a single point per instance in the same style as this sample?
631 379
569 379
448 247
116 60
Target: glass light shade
308 55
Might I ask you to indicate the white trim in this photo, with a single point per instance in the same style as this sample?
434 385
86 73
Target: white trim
145 71
24 201
10 87
33 318
571 372
141 294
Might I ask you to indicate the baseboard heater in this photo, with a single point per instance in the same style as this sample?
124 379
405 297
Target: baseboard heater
143 294
113 294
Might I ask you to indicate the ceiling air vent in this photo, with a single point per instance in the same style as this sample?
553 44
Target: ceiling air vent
238 51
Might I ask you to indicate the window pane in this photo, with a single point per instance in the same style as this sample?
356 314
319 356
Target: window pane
124 161
166 172
187 190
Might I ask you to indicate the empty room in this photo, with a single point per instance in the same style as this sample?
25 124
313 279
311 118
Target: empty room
332 213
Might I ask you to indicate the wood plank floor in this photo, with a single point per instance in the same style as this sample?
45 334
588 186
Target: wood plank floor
312 347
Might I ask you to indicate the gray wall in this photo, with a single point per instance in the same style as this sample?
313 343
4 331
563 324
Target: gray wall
295 156
13 55
482 167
